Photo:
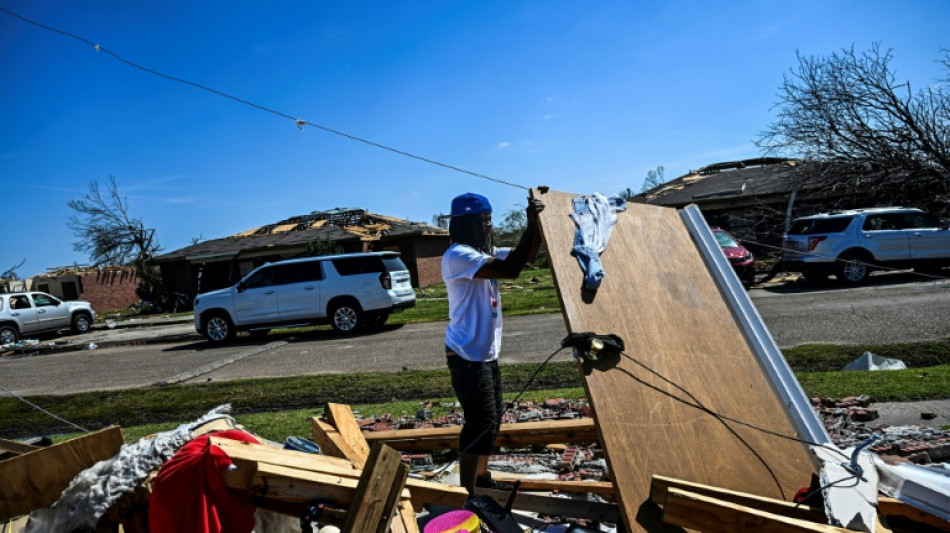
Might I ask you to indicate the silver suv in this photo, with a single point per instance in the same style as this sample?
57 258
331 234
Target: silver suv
849 244
25 313
348 291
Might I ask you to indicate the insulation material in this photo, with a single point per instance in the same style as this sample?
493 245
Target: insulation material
96 489
850 493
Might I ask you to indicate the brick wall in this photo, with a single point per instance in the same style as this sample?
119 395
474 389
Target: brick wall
430 270
109 290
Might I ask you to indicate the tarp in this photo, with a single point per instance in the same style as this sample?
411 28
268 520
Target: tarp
869 361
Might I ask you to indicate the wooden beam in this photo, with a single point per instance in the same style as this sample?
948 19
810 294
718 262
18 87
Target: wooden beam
711 515
551 505
328 438
37 479
578 430
551 485
17 447
421 492
379 487
661 485
341 417
891 507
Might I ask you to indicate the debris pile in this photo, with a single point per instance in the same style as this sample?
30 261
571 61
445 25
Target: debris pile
847 422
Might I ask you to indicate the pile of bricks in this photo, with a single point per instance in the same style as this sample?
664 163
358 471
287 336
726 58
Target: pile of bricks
847 423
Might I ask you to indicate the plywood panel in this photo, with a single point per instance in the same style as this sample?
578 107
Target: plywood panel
37 479
659 297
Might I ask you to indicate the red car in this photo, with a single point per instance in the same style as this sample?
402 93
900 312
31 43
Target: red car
741 259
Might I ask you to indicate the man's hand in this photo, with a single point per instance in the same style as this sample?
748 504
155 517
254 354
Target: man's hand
535 206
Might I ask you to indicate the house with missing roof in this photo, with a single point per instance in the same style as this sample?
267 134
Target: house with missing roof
218 263
754 199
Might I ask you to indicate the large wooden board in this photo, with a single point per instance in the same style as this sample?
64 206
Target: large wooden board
37 479
659 297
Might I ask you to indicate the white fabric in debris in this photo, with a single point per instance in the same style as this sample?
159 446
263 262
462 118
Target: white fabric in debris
94 490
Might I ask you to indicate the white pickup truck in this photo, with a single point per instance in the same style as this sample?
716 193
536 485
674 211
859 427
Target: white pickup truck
24 313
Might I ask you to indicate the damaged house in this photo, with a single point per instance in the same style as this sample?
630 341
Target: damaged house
754 198
218 263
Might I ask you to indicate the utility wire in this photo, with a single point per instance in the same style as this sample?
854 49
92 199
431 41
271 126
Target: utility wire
299 122
38 408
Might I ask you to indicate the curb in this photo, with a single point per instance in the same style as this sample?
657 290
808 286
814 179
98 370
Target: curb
45 349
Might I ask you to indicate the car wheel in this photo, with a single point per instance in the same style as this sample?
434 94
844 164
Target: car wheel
258 333
346 317
853 269
218 328
81 323
8 335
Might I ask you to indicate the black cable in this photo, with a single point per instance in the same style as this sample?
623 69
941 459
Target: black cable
820 489
702 407
299 122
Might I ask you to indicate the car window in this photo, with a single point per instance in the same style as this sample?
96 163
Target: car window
883 222
920 220
261 278
299 272
725 240
393 263
350 266
812 226
43 300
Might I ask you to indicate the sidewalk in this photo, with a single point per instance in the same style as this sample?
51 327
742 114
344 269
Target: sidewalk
144 330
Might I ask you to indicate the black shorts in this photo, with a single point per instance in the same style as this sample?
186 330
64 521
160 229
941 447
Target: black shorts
478 388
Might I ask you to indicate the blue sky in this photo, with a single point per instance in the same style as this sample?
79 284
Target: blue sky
581 96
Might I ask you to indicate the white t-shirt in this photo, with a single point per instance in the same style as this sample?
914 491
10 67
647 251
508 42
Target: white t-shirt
474 330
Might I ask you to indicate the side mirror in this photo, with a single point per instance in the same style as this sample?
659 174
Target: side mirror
240 287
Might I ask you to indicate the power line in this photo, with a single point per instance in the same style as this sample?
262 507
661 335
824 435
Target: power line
299 122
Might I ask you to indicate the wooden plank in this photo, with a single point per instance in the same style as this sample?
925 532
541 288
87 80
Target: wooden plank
703 513
673 319
17 447
328 438
407 522
291 485
891 507
421 492
37 479
379 487
578 430
585 487
557 506
341 417
661 485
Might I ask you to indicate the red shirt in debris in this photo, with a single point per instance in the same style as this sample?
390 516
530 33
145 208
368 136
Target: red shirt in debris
189 495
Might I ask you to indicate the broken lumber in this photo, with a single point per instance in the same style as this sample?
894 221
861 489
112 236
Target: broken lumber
341 418
37 479
17 447
292 469
555 485
898 512
661 485
710 515
557 505
517 435
379 488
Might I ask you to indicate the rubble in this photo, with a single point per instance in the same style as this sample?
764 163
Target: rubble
847 421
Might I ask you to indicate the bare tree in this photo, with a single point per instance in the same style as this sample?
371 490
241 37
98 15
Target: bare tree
111 236
10 273
850 107
654 179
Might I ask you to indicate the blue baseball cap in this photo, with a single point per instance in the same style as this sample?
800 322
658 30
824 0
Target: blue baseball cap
470 204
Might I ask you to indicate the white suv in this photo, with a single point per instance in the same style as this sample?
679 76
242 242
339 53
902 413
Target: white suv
24 313
849 244
348 291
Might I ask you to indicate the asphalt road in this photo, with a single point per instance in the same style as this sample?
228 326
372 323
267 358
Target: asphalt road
892 308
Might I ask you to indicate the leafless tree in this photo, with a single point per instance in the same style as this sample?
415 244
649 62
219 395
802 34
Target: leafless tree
111 236
851 107
10 273
654 179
